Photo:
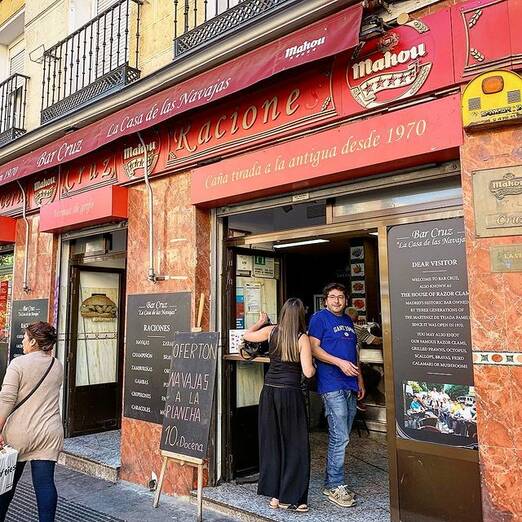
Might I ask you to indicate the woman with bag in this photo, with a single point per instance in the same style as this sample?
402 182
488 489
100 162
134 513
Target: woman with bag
284 450
30 416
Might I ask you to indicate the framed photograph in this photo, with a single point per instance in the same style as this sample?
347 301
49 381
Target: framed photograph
357 252
357 269
359 303
358 287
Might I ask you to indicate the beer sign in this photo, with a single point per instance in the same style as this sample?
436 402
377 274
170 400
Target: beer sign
407 61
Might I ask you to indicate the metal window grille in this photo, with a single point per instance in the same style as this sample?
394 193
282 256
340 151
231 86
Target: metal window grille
199 22
13 97
97 59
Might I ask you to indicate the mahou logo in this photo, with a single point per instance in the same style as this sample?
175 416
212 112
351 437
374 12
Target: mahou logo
388 69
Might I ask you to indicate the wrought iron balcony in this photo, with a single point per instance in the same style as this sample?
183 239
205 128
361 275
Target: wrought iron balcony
200 22
96 60
13 95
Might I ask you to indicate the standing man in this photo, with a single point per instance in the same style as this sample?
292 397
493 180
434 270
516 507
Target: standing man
339 381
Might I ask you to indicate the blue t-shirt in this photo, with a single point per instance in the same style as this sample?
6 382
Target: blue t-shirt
337 337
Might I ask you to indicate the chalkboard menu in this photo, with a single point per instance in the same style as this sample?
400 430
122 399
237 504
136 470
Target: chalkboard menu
431 339
188 409
152 321
23 314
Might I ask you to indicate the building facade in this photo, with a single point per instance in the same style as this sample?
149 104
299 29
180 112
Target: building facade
158 154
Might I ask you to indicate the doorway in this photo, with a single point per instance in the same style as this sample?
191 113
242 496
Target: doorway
95 350
92 318
353 242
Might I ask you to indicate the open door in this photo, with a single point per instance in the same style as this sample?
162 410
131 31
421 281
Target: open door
253 284
95 356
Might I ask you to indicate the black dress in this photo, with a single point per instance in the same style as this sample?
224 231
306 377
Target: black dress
284 450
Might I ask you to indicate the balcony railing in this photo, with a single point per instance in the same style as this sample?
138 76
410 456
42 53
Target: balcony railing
97 59
200 22
13 95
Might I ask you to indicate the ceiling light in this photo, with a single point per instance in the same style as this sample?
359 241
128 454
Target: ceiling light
301 243
373 233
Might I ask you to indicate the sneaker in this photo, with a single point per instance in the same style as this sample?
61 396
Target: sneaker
340 496
326 491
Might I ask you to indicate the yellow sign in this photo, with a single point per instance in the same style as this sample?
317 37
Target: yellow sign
492 98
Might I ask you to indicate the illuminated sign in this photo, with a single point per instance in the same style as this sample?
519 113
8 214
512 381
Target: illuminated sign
492 98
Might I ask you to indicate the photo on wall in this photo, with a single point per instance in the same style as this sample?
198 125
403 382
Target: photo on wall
357 252
358 287
448 409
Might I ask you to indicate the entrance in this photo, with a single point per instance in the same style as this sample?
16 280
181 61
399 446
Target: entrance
268 258
94 315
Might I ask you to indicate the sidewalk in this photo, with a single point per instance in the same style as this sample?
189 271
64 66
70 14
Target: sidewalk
86 499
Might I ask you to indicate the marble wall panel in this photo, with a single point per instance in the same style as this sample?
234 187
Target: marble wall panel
496 325
42 251
182 252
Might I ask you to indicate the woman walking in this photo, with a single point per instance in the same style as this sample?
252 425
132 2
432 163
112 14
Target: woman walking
284 451
34 428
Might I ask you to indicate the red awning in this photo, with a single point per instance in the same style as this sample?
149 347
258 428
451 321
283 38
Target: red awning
327 37
95 207
7 230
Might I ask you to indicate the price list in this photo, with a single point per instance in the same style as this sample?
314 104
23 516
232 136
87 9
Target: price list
152 322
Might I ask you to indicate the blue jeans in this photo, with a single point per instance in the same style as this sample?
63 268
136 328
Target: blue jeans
340 409
42 472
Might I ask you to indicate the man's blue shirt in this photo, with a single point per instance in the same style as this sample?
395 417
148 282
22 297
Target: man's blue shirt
337 337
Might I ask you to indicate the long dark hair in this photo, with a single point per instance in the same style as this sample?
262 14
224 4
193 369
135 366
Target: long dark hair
291 323
43 333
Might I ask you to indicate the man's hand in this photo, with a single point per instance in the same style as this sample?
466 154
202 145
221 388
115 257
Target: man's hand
362 392
348 368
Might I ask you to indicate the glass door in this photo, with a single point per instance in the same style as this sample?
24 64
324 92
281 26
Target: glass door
95 349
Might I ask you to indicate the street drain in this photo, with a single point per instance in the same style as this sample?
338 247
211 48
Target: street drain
23 509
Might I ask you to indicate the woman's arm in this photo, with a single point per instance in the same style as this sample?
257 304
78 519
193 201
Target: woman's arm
305 354
257 336
8 395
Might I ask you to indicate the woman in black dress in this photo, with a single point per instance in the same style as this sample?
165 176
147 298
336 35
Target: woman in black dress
284 450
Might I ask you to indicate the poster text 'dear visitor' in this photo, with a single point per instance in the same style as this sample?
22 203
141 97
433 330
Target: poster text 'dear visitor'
190 392
431 340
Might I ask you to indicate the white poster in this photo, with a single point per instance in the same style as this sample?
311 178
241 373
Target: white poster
253 298
234 340
243 265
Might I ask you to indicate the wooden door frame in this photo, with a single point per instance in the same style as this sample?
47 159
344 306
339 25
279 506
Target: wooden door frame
71 339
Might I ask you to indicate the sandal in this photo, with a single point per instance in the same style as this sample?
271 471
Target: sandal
301 508
274 503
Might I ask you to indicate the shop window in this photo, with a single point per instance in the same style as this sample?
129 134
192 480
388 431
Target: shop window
100 248
6 276
286 217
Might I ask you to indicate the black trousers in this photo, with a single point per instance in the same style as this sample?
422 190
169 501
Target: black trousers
284 448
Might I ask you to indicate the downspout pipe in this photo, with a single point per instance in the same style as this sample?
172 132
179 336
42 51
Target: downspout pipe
151 275
25 283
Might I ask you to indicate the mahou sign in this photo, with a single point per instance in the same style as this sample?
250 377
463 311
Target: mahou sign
407 61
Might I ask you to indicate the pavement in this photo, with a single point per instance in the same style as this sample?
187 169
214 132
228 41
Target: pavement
82 498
